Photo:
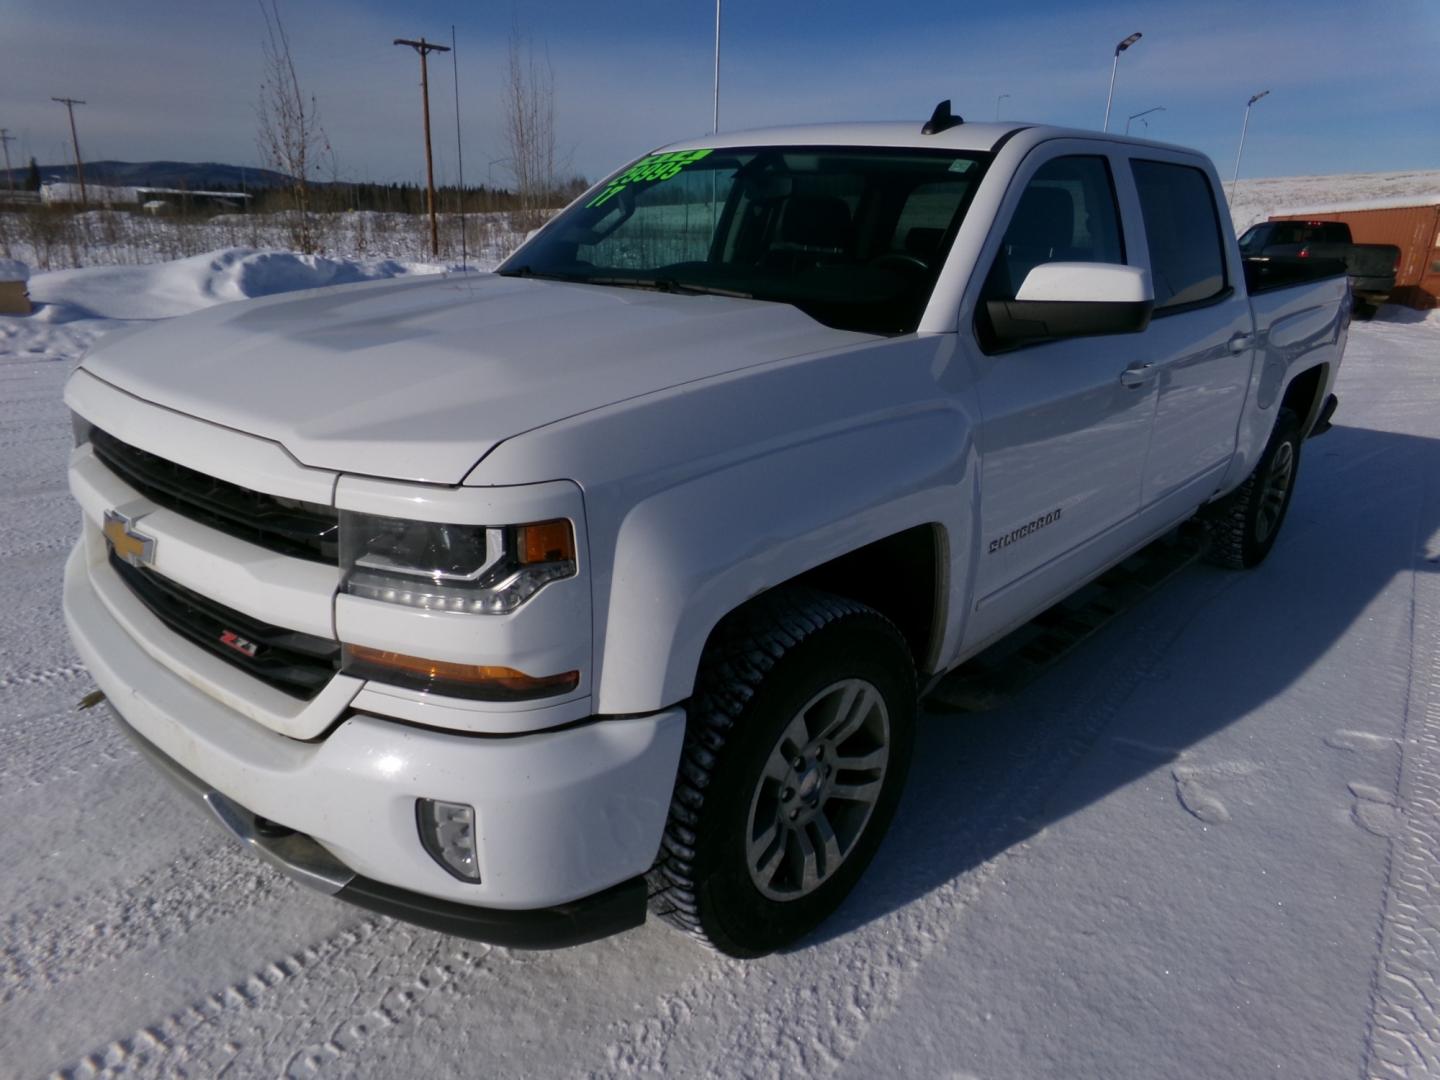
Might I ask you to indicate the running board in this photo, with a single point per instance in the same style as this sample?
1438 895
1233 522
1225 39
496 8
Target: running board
994 677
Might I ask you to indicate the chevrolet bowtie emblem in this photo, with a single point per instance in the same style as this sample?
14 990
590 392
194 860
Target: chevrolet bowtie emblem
133 546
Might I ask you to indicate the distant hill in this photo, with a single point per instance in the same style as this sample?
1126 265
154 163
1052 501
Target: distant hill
194 176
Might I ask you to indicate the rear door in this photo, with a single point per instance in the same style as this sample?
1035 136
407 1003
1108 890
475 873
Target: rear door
1200 343
1063 439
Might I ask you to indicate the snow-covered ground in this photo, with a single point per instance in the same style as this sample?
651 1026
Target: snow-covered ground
1203 845
1256 200
55 240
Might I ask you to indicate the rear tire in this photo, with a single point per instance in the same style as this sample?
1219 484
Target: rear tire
1243 526
797 745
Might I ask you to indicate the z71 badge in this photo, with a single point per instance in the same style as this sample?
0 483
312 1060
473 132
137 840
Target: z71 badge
238 643
1024 530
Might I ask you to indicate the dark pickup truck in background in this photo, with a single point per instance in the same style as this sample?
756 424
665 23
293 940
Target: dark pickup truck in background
1370 267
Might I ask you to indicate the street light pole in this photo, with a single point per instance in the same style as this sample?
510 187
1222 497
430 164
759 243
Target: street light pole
716 124
1114 66
1245 126
999 99
1138 115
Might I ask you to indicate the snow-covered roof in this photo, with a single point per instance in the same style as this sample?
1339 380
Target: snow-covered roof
1399 202
141 192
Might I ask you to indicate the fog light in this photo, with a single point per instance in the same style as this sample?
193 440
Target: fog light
447 831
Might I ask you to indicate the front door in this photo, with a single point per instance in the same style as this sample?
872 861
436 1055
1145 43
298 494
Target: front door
1063 436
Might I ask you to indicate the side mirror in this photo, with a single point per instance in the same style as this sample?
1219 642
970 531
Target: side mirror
1073 299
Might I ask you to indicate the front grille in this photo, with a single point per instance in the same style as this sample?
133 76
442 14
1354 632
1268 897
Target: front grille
297 663
305 530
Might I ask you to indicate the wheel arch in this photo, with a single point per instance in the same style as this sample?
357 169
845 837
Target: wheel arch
1305 394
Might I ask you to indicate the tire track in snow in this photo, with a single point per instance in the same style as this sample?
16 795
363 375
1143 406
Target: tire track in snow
52 944
286 1018
57 744
1404 1031
809 1011
47 676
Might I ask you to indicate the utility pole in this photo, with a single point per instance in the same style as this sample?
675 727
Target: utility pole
5 140
425 48
459 147
70 104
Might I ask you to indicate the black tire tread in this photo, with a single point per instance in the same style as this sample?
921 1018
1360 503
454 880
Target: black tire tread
1229 520
743 650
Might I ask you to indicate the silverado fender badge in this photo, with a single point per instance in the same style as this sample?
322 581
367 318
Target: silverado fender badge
126 541
1024 530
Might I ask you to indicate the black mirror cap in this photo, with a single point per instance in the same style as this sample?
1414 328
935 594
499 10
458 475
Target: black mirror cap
1026 322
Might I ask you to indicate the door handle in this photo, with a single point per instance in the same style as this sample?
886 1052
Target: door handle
1240 342
1137 375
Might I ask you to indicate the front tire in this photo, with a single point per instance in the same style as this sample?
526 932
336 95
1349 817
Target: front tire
1243 526
797 746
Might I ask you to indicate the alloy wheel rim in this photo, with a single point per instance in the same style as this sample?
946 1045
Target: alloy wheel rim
818 790
1275 491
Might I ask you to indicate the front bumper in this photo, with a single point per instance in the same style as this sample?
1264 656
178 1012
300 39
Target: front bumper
560 815
618 908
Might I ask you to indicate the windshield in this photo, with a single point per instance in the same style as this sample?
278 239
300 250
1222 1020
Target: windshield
853 237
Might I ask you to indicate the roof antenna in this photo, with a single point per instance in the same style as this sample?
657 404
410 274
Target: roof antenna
941 120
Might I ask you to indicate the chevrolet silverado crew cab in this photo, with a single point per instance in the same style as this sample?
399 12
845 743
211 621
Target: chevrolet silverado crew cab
513 603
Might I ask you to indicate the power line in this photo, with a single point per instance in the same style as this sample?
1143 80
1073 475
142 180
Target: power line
70 104
425 48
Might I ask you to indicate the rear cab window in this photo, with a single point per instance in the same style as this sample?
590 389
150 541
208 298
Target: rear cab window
1182 232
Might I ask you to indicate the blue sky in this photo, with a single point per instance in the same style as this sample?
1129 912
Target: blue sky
1354 89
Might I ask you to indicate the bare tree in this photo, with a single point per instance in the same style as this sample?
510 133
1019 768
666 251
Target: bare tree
529 105
290 136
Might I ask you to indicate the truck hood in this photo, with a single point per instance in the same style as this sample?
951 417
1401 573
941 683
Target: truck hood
419 379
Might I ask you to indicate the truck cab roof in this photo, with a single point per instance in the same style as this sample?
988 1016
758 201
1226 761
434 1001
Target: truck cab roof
978 137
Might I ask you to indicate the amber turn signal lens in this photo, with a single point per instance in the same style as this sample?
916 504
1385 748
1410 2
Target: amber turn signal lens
546 542
443 676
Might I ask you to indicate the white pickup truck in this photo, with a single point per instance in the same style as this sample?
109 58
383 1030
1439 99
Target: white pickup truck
514 603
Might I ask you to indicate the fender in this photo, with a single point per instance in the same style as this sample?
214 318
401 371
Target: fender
700 497
1295 334
690 555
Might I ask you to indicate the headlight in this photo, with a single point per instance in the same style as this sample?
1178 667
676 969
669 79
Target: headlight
464 568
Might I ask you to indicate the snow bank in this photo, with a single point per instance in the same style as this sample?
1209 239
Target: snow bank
12 270
162 290
76 306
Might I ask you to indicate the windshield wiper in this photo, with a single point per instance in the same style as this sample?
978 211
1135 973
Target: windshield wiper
659 284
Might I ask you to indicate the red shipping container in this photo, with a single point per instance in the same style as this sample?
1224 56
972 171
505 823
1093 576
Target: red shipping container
1411 224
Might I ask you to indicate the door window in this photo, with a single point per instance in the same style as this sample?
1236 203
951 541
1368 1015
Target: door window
1182 229
1067 213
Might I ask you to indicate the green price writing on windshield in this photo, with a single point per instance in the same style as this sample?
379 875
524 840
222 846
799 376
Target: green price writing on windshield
654 167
